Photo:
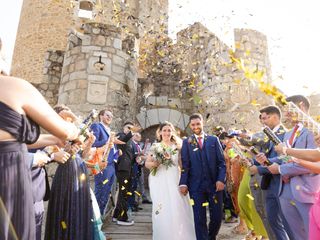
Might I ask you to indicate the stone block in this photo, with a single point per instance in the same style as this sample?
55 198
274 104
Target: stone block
63 98
162 101
119 60
77 96
99 40
119 77
122 54
80 65
82 84
98 78
96 30
114 85
52 86
44 86
89 49
151 100
117 43
164 114
153 117
70 86
78 75
142 120
175 117
174 103
97 92
118 69
49 94
101 53
86 40
109 50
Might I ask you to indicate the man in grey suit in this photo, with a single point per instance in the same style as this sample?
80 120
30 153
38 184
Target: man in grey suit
271 116
298 186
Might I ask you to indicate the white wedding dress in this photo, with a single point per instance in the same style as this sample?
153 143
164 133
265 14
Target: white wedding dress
172 215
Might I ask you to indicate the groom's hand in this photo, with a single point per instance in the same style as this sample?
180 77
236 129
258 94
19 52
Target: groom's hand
219 186
183 190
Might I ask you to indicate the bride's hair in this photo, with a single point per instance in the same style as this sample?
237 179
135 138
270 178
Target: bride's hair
174 137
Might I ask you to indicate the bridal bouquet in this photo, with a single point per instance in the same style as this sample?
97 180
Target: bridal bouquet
163 155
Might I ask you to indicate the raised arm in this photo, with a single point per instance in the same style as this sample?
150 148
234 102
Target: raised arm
24 98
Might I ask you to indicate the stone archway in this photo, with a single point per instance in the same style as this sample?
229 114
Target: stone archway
156 116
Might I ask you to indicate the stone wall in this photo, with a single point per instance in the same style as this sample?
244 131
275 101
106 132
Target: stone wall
88 84
219 88
43 26
52 70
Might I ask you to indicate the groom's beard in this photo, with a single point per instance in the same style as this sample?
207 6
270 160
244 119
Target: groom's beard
197 131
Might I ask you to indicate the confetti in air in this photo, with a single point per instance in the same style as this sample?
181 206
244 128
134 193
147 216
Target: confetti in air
129 193
191 202
136 192
123 188
250 197
292 203
64 225
82 177
298 187
205 204
105 181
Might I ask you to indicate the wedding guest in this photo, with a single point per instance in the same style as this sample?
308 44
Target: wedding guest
104 179
23 109
271 116
295 203
69 210
123 173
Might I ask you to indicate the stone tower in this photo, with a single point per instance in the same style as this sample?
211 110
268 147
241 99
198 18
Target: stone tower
44 25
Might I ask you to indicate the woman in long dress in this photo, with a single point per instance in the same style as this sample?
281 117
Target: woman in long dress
22 110
172 216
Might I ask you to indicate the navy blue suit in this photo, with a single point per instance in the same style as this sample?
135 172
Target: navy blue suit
201 169
104 180
275 217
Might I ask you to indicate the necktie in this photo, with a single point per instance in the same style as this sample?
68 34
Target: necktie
200 142
293 133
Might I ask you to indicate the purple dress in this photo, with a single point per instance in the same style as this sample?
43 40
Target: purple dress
17 220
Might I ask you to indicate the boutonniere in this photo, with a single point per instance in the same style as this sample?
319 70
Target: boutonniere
192 141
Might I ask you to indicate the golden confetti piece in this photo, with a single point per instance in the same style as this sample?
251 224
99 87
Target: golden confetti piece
82 177
123 188
298 187
215 200
136 192
196 149
129 193
126 181
250 197
122 213
292 203
105 181
205 204
256 185
191 201
73 157
64 225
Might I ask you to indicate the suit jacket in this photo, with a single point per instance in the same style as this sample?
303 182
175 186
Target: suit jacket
101 134
191 161
304 185
269 181
126 160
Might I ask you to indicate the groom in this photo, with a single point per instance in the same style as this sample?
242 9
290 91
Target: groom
203 175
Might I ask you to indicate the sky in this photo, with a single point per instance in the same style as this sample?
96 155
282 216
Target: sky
291 27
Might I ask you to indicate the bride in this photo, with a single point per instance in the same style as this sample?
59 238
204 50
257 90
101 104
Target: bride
172 216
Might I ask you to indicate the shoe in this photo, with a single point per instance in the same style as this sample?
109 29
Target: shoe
146 201
125 223
114 219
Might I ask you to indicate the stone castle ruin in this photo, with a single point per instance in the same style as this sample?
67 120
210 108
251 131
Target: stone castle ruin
117 54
